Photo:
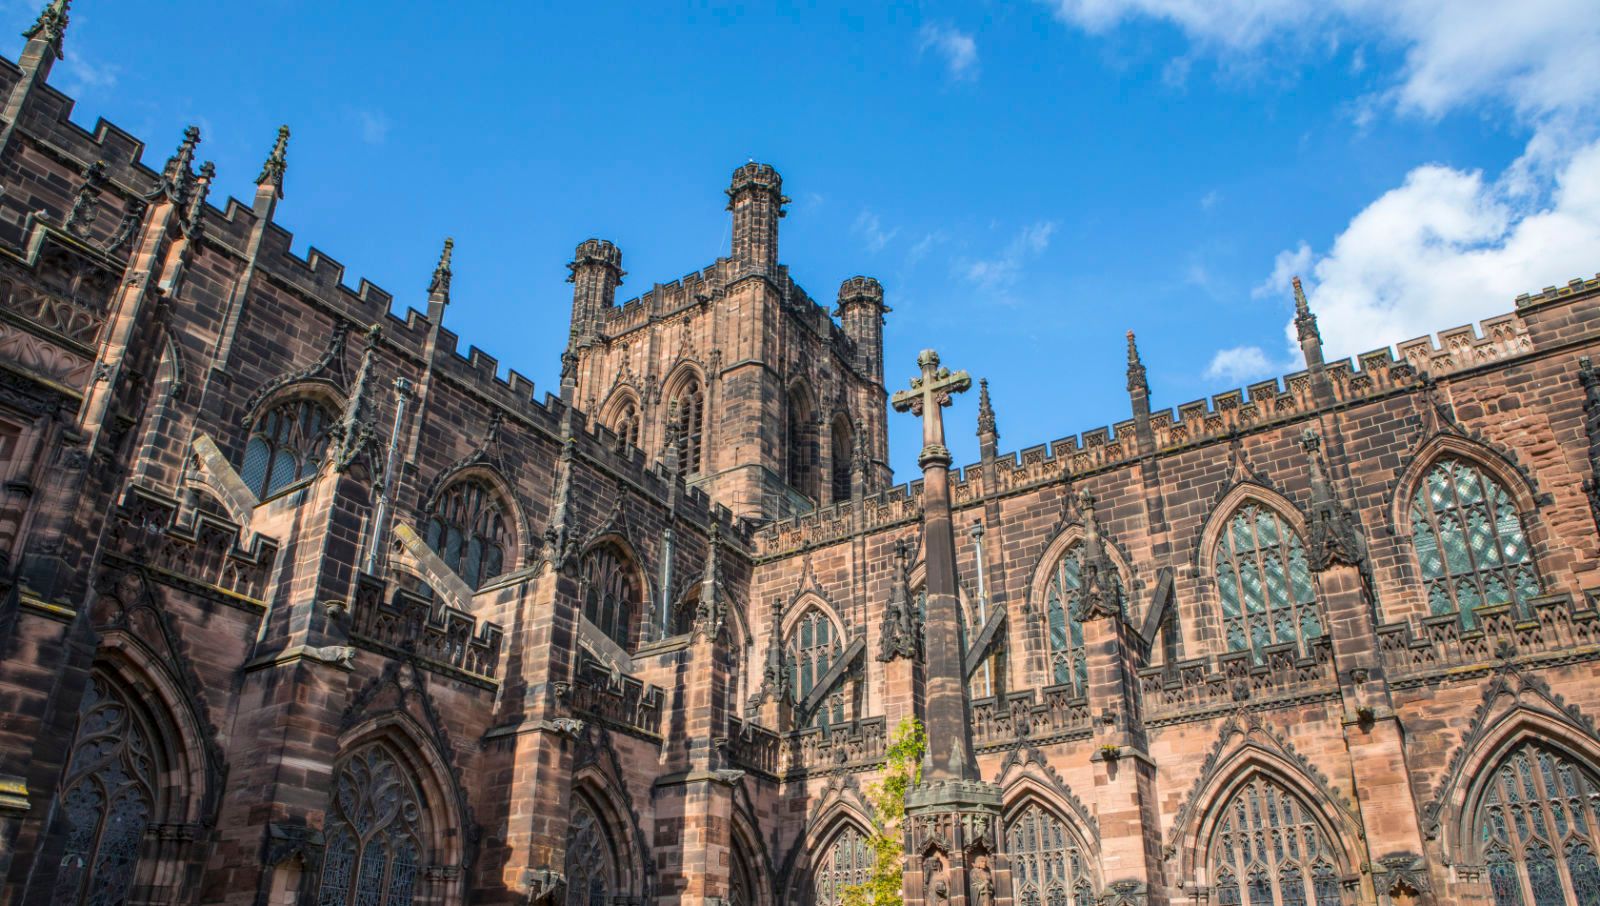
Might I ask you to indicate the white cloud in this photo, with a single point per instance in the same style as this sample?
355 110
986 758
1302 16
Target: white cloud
1240 365
1210 200
1445 248
1002 270
374 126
81 74
957 48
1536 55
870 228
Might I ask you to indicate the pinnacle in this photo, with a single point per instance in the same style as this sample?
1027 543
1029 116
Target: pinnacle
277 162
51 26
442 273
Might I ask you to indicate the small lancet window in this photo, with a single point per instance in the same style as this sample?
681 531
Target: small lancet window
690 402
468 531
1264 582
285 446
627 423
1470 542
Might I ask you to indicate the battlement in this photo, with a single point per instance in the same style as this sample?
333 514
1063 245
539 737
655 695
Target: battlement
1575 286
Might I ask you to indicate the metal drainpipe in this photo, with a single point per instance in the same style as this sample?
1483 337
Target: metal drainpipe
380 518
665 622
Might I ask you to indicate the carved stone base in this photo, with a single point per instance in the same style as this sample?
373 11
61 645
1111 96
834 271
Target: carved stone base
953 841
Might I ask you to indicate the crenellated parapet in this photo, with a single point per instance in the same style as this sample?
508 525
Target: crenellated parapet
1546 630
1279 676
205 555
409 626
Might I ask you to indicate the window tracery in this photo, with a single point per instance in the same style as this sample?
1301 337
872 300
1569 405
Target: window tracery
1064 620
107 800
846 861
1470 542
611 593
1264 582
1537 825
1267 850
468 530
690 403
1048 866
590 860
373 855
286 445
814 644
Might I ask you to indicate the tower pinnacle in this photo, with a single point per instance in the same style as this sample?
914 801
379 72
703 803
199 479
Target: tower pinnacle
1305 328
51 26
277 162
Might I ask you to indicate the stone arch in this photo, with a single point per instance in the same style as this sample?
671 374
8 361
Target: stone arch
614 589
500 489
686 386
1052 644
1196 834
751 868
623 413
287 435
802 451
605 842
1462 791
1439 588
842 440
409 743
832 853
1297 614
1047 846
813 638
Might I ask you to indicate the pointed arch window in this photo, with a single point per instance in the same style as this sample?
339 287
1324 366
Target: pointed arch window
843 453
1064 619
469 531
1049 867
286 445
611 595
626 423
690 401
1267 850
1470 542
845 862
814 644
800 442
590 860
108 799
374 832
1538 826
1264 582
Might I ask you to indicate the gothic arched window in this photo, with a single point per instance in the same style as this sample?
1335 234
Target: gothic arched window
800 442
1264 582
845 862
843 451
1267 850
108 798
611 593
1048 866
286 445
590 860
1470 542
1539 828
1064 620
468 530
814 644
690 403
374 850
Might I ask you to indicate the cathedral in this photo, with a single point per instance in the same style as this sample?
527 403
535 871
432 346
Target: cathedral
304 604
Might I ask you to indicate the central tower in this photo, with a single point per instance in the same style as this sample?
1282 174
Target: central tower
772 406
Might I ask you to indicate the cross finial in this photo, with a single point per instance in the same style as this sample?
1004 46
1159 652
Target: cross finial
276 163
931 391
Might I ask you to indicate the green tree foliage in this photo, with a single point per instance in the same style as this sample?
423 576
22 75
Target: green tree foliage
902 769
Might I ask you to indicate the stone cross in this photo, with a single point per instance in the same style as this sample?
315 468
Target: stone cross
928 394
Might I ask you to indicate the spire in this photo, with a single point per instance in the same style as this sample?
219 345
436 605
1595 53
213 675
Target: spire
276 163
1136 379
1305 328
1102 591
442 273
1333 538
51 26
988 435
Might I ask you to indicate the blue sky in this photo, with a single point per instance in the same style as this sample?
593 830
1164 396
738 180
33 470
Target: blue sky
1028 180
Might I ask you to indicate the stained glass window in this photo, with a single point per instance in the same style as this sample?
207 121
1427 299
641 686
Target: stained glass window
1537 827
373 831
1048 866
611 593
1264 582
1267 850
468 530
690 401
1064 620
1470 542
107 800
814 644
285 446
590 860
845 862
